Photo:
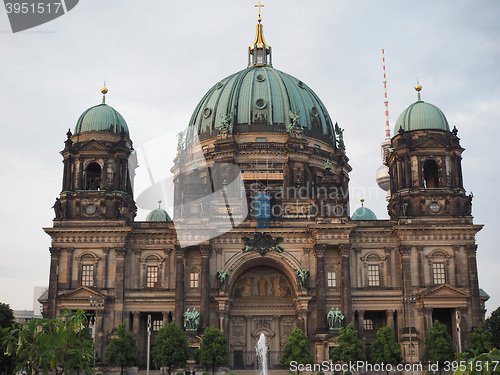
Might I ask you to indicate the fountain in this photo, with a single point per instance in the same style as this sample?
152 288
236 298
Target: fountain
261 351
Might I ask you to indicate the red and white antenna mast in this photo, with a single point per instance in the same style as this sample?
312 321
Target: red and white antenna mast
387 130
383 178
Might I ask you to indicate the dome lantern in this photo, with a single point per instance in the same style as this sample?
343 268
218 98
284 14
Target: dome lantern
259 53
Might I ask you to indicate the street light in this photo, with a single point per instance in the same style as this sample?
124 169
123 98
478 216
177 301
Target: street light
409 299
96 302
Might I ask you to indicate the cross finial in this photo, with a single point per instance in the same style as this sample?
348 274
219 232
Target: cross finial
259 5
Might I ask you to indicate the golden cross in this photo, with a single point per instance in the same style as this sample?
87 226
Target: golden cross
258 6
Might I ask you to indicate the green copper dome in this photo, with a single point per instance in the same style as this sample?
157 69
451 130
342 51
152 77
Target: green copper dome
363 213
421 115
101 118
158 215
261 98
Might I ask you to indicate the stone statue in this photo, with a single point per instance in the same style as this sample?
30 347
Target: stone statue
340 135
222 277
335 319
226 124
191 319
295 127
58 210
303 278
180 140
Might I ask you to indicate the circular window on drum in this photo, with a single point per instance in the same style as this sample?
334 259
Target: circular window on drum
434 207
261 103
314 111
207 112
261 78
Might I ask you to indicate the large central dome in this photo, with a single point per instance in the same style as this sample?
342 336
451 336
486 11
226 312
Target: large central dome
261 99
262 95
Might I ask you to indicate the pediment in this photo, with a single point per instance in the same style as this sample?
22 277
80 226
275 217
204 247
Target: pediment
444 291
81 293
93 145
431 142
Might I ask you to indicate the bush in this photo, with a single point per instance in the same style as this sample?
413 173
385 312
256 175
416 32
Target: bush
231 373
348 373
205 373
179 373
320 373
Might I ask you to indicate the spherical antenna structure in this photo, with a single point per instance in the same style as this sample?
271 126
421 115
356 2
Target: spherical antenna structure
383 178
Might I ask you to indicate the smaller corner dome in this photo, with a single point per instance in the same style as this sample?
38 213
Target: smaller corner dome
363 213
421 116
101 118
158 215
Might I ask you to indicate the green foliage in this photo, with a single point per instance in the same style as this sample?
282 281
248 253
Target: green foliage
59 345
384 348
122 350
231 373
438 344
482 364
350 348
172 348
214 348
179 373
205 373
348 373
480 341
297 349
6 321
493 325
320 373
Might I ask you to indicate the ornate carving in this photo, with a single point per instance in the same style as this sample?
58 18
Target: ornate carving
262 243
345 250
206 250
405 250
319 250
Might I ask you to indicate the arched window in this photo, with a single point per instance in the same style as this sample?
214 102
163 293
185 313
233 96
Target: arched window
93 176
431 179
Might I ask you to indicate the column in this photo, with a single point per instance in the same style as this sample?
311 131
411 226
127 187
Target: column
119 284
458 275
106 261
69 266
389 315
319 253
388 256
179 284
165 318
345 253
420 254
405 252
361 325
55 254
205 286
476 313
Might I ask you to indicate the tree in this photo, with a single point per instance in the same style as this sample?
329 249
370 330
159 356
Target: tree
350 348
493 325
122 350
384 348
57 345
438 345
214 348
172 348
480 340
297 349
6 321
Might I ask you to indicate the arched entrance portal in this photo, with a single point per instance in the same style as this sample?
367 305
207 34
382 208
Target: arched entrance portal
263 300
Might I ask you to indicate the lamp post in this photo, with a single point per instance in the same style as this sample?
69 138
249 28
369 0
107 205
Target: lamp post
408 300
96 302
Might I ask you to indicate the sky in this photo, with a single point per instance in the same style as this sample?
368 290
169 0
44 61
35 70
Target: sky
159 58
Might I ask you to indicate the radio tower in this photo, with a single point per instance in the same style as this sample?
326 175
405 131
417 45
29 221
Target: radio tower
383 179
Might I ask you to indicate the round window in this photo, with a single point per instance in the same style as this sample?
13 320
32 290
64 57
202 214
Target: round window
261 103
314 111
206 112
90 209
434 207
261 78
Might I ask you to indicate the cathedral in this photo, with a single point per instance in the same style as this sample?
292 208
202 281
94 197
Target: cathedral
260 239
